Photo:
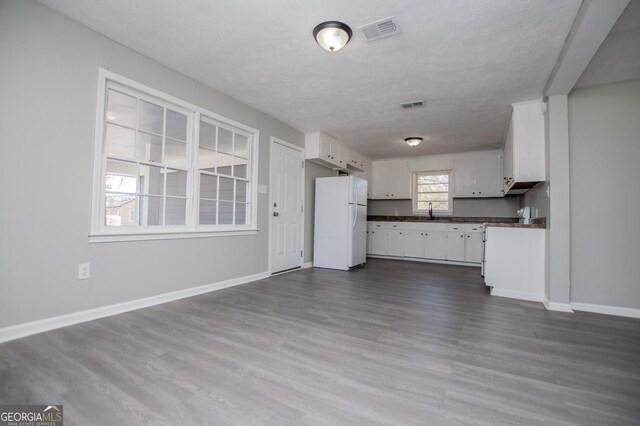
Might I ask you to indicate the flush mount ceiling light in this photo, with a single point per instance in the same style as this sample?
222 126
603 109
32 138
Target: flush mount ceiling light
332 35
414 141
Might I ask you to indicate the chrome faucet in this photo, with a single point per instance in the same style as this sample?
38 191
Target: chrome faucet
430 212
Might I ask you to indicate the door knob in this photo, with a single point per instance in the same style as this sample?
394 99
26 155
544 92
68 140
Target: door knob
276 214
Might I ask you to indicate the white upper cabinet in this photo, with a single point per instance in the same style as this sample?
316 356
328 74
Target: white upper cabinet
524 148
326 150
391 179
478 175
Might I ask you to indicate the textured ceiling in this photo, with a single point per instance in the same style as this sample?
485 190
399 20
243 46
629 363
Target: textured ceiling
469 59
618 58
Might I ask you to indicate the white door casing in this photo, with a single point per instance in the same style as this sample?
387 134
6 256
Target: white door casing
286 206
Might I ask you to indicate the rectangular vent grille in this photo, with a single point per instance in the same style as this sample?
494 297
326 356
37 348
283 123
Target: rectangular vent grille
412 104
380 29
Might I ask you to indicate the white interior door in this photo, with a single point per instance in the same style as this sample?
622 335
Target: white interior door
286 207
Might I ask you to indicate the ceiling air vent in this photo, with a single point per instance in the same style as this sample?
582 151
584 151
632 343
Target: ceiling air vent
412 104
380 29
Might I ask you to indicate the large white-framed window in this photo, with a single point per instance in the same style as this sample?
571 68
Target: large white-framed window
432 189
165 168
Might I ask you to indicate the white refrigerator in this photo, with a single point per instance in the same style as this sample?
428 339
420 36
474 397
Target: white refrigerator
340 230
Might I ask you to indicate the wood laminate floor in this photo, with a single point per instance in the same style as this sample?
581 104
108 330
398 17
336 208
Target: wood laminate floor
396 343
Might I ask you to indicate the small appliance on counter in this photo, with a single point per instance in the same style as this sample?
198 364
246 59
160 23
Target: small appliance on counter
524 215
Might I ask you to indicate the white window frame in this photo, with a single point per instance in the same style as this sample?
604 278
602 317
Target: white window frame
102 233
414 202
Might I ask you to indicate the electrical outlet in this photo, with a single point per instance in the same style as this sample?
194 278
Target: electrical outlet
537 212
84 271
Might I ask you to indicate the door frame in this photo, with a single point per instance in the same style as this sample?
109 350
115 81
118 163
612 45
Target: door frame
273 140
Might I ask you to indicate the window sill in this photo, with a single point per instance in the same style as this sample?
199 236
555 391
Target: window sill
438 214
113 238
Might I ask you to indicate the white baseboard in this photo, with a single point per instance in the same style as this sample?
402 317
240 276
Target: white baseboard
416 259
517 295
555 306
605 309
34 327
307 265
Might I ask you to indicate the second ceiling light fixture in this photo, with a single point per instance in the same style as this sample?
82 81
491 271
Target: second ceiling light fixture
332 35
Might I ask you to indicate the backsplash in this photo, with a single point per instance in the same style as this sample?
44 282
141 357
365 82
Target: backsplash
466 207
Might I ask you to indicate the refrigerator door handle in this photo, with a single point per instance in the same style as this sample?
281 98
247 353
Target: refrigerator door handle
355 216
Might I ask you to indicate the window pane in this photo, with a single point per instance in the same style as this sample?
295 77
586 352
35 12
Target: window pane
207 135
149 147
241 191
121 176
151 180
176 183
225 215
176 125
225 141
240 147
207 212
208 186
433 179
240 167
120 210
175 153
226 189
121 109
225 163
150 211
433 197
176 213
438 187
241 214
151 117
440 206
206 160
119 141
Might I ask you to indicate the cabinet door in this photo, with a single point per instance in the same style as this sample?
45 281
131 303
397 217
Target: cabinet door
380 180
435 245
369 241
378 241
488 175
507 160
414 242
464 176
473 247
395 243
338 154
325 148
455 246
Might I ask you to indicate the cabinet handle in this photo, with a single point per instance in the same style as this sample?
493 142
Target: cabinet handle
461 236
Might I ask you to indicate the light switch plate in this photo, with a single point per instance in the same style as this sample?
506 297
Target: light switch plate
262 189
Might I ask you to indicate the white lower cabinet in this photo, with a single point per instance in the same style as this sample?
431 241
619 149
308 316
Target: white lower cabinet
378 242
414 242
515 262
426 241
395 243
455 246
473 247
435 246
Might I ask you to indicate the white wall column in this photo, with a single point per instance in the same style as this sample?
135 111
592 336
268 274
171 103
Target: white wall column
558 289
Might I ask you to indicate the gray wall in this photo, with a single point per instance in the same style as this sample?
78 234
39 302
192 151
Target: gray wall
462 207
537 198
311 172
49 77
604 142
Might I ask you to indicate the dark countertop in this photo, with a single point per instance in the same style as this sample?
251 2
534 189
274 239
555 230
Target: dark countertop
538 223
505 222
